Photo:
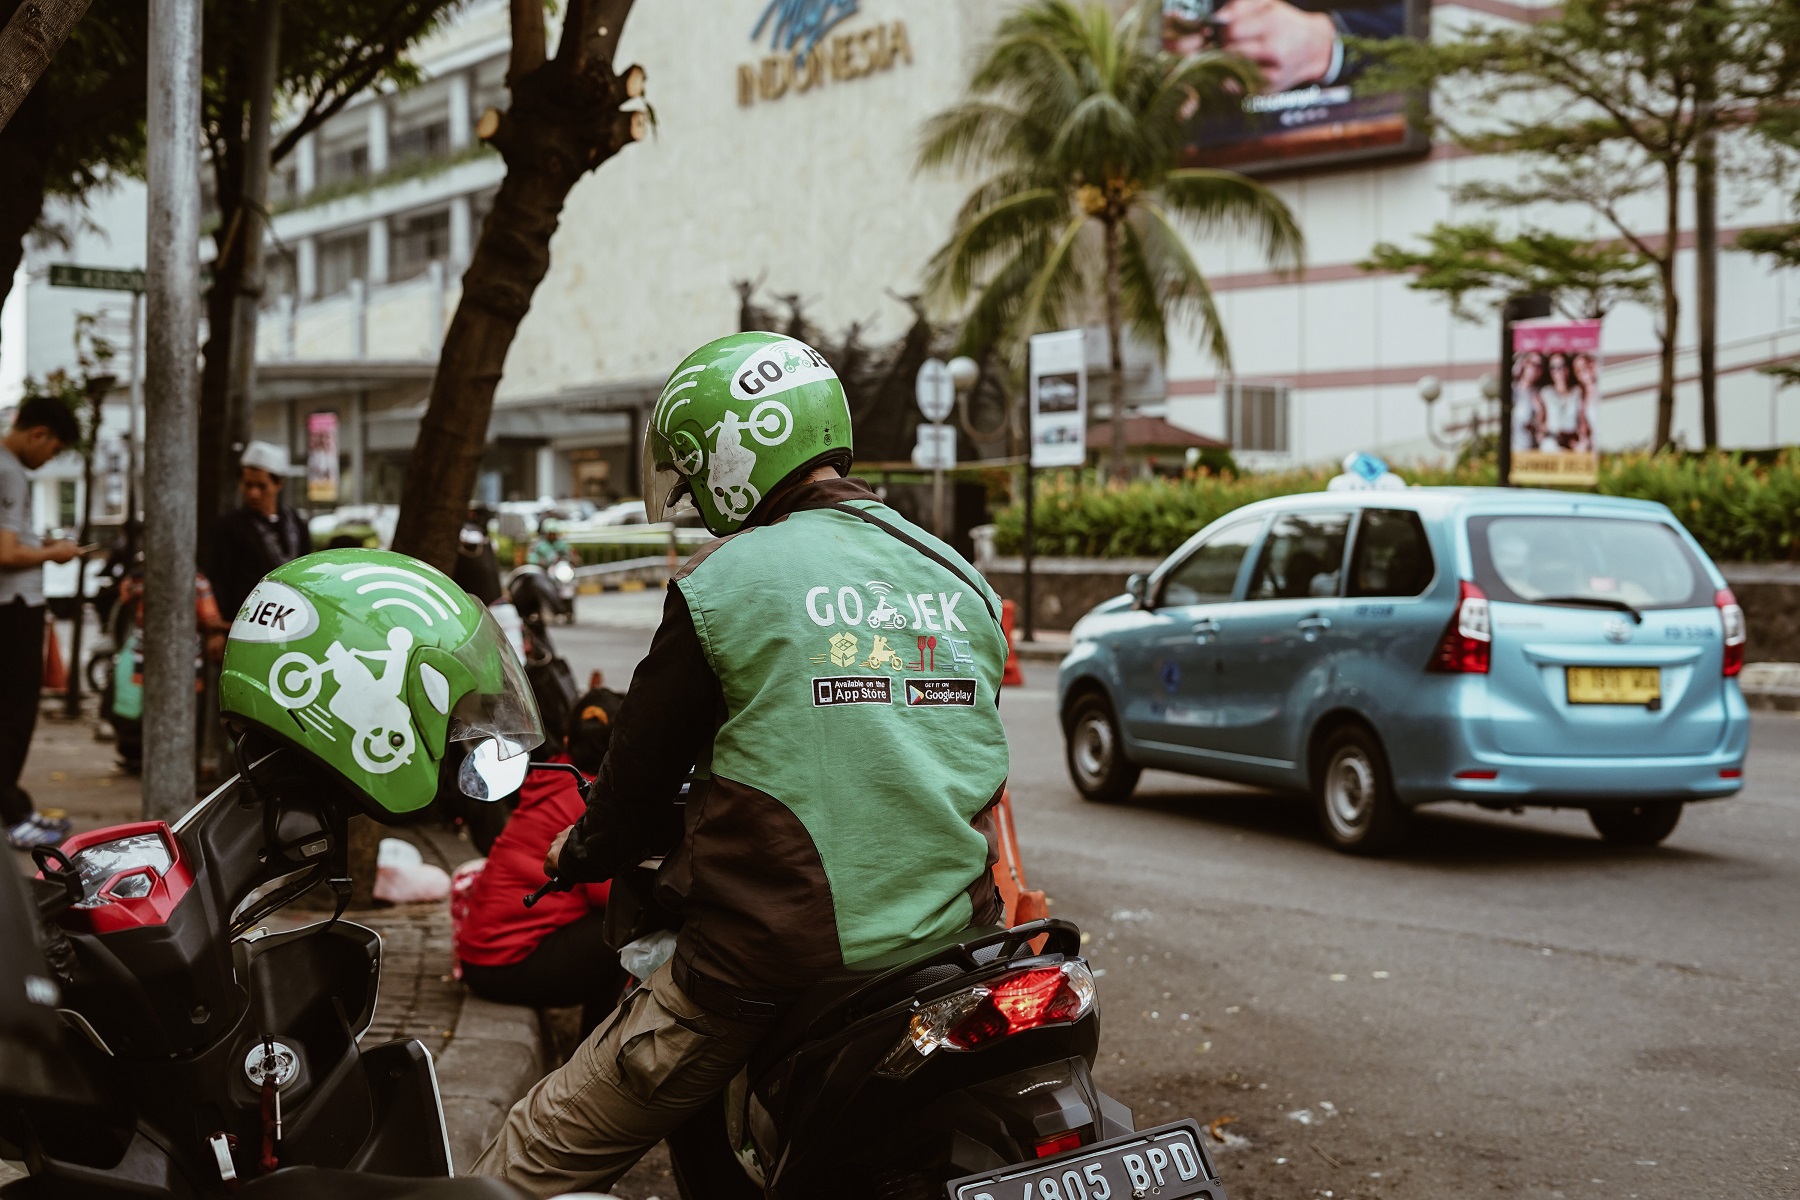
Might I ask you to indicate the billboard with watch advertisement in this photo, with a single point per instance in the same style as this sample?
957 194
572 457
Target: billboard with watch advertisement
1309 112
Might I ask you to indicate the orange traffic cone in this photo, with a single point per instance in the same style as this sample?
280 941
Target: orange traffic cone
56 676
1012 676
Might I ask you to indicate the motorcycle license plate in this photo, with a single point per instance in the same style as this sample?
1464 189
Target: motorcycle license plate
1167 1163
1614 685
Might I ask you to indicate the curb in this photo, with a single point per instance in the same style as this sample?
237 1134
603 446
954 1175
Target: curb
1043 652
494 1057
1772 699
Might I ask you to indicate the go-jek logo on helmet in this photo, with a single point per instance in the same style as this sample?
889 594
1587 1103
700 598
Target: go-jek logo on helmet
367 704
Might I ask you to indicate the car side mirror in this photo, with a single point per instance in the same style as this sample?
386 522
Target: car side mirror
1139 587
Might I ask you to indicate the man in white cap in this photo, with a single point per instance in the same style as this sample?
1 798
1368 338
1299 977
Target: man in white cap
255 538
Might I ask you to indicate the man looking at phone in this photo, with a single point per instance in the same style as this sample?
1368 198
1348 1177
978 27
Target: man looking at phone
40 431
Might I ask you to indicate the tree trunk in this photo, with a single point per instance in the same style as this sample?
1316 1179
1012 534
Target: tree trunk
1671 312
565 120
24 161
31 38
1115 356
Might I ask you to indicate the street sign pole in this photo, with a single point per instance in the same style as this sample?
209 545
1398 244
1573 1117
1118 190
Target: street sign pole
936 394
173 329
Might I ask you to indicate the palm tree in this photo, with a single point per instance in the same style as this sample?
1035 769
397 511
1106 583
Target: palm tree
1079 124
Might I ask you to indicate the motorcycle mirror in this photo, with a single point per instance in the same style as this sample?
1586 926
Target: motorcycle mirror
494 768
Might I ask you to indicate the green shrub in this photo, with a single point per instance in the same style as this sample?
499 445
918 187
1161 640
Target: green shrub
1741 509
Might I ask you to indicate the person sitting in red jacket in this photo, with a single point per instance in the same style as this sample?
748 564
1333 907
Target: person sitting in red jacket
554 954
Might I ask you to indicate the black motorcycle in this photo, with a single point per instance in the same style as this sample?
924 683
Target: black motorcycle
961 1065
218 1052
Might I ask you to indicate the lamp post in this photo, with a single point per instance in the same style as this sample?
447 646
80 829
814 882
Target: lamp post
964 371
1431 389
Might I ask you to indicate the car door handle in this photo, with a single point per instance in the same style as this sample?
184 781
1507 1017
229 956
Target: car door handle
1312 627
1205 630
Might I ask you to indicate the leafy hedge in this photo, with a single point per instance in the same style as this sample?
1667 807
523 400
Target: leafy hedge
1741 509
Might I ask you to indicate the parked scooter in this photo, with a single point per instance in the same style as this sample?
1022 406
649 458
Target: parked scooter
964 1063
41 1073
219 1051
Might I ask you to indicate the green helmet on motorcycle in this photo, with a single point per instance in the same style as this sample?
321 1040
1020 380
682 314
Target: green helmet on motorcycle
738 416
376 666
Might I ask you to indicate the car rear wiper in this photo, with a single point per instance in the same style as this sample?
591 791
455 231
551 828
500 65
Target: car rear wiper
1594 602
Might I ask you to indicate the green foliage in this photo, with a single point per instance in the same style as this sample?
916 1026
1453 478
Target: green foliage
1740 509
400 172
1473 262
1078 122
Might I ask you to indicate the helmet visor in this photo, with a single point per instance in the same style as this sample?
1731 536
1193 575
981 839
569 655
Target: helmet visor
501 704
661 481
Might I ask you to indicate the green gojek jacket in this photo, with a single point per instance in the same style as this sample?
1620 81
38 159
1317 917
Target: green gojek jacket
841 811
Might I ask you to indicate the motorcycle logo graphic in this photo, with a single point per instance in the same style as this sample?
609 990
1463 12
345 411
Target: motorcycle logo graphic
882 655
382 737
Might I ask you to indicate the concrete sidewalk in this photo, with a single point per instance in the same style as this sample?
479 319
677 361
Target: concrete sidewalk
486 1054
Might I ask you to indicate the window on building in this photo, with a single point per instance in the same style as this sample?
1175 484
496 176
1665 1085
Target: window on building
487 89
343 162
427 140
418 241
66 517
1256 416
342 260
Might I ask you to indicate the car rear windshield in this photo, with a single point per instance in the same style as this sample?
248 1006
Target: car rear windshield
1541 560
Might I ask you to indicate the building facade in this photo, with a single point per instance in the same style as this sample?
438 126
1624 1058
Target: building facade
794 173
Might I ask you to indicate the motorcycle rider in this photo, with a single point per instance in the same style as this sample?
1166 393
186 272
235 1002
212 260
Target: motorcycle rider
550 548
841 806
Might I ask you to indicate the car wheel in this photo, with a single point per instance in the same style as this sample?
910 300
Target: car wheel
1643 824
1355 794
1095 750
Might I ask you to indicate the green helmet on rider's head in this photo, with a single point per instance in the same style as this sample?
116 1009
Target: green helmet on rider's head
739 416
375 665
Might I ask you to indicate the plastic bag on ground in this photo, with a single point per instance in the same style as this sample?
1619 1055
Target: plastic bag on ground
403 877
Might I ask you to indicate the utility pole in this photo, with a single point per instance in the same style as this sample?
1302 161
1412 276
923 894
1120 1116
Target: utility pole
172 135
1706 234
240 386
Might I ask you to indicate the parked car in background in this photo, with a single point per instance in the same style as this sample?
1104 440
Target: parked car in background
1384 650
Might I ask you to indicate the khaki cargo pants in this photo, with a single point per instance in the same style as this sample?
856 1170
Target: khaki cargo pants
642 1071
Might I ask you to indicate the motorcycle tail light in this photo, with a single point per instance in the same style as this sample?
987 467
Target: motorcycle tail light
990 1011
1058 1144
1736 634
1467 645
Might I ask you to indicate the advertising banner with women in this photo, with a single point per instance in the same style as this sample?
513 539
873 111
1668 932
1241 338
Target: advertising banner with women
1556 396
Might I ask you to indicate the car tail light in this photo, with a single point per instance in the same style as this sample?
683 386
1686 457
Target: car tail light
993 1010
1735 632
1467 645
1478 774
1731 772
1058 1144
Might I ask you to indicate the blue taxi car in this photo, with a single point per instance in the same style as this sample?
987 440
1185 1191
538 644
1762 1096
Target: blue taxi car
1383 650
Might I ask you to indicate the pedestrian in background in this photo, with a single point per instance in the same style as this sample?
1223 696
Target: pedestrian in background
260 534
41 429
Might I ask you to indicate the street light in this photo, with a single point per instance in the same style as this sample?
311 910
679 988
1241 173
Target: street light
1431 389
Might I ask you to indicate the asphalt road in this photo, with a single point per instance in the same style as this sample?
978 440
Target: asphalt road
1509 1007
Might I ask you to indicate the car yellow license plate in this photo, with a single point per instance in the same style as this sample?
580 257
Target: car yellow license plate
1614 685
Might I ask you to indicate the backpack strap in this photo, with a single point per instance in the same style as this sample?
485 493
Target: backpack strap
922 548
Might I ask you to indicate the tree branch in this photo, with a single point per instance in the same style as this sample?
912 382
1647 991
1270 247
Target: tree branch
355 74
37 30
527 40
